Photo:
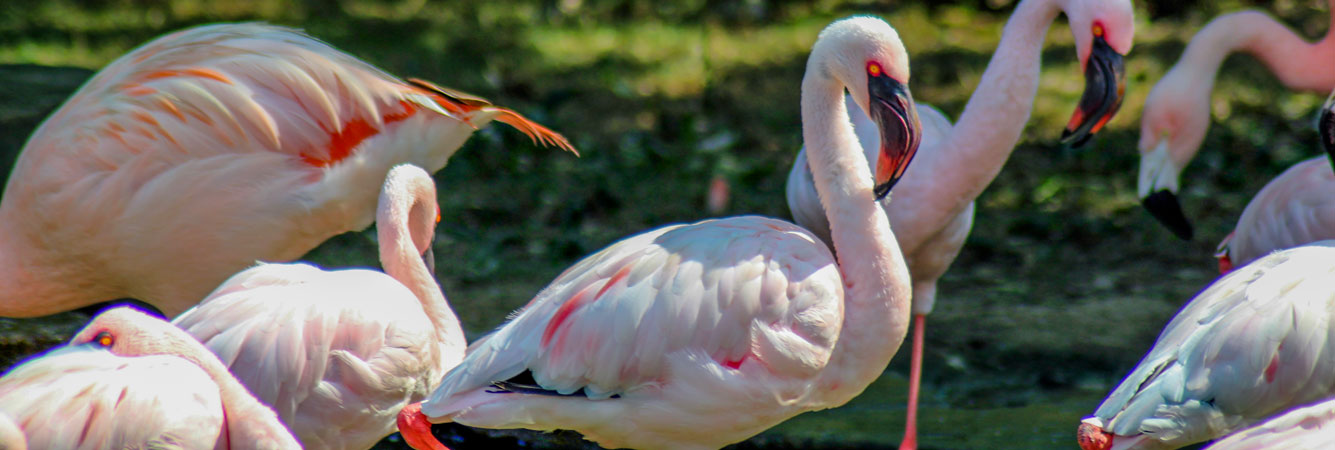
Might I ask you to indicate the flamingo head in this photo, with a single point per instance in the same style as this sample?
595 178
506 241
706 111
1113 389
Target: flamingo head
1103 31
866 55
1172 127
127 331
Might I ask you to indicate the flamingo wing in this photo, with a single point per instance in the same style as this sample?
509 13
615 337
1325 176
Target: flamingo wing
80 397
1293 209
1306 428
741 290
1253 343
335 353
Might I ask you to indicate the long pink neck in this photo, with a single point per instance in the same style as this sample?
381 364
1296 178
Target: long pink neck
1297 63
982 139
405 205
877 294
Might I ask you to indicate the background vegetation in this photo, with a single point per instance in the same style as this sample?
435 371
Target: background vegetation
1063 285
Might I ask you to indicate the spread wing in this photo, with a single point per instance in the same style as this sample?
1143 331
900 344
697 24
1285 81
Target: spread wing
1253 343
735 290
80 397
335 353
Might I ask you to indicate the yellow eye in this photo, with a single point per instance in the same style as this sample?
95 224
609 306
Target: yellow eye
873 69
1098 30
104 339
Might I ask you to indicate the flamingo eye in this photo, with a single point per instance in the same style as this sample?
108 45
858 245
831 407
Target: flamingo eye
104 339
873 69
1098 30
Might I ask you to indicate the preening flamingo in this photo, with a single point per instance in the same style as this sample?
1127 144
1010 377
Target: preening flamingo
697 336
129 380
1295 208
1254 343
1307 428
193 156
1177 110
356 345
934 203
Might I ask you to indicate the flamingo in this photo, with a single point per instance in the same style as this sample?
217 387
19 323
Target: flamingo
11 437
1177 110
357 345
1253 343
129 380
1293 209
1306 428
193 156
696 336
934 203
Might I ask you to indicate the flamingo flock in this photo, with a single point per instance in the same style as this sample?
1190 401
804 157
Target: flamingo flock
192 172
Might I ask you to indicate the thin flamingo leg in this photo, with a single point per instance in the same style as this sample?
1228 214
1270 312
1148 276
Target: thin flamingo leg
910 441
416 429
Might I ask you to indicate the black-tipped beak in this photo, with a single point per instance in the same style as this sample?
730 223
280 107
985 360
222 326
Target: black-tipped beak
893 111
1163 206
1326 127
1105 84
429 257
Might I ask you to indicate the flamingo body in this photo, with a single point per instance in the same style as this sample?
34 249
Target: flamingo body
697 336
1293 209
662 320
207 149
122 402
338 353
129 380
1253 343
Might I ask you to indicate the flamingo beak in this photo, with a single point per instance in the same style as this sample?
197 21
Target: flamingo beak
429 257
1163 205
1157 187
893 111
1105 85
1326 127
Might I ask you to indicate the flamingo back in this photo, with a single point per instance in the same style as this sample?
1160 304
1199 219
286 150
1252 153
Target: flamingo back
746 292
1255 342
79 397
1293 209
304 341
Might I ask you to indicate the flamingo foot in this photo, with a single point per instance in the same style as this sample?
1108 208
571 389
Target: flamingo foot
910 441
416 429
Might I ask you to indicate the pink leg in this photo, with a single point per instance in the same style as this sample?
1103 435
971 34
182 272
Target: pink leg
416 429
910 441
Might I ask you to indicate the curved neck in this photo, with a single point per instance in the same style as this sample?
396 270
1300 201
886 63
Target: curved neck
990 126
406 205
1297 63
877 294
249 423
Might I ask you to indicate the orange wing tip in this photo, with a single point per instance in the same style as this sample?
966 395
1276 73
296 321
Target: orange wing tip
539 134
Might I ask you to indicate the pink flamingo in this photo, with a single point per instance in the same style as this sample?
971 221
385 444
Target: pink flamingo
1254 343
1177 110
1307 428
358 345
700 335
1293 209
128 380
934 203
190 158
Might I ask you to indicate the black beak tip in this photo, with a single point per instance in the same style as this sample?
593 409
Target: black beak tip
429 258
1075 139
1163 205
883 189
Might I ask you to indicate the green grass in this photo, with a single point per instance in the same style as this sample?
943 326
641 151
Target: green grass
1064 282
